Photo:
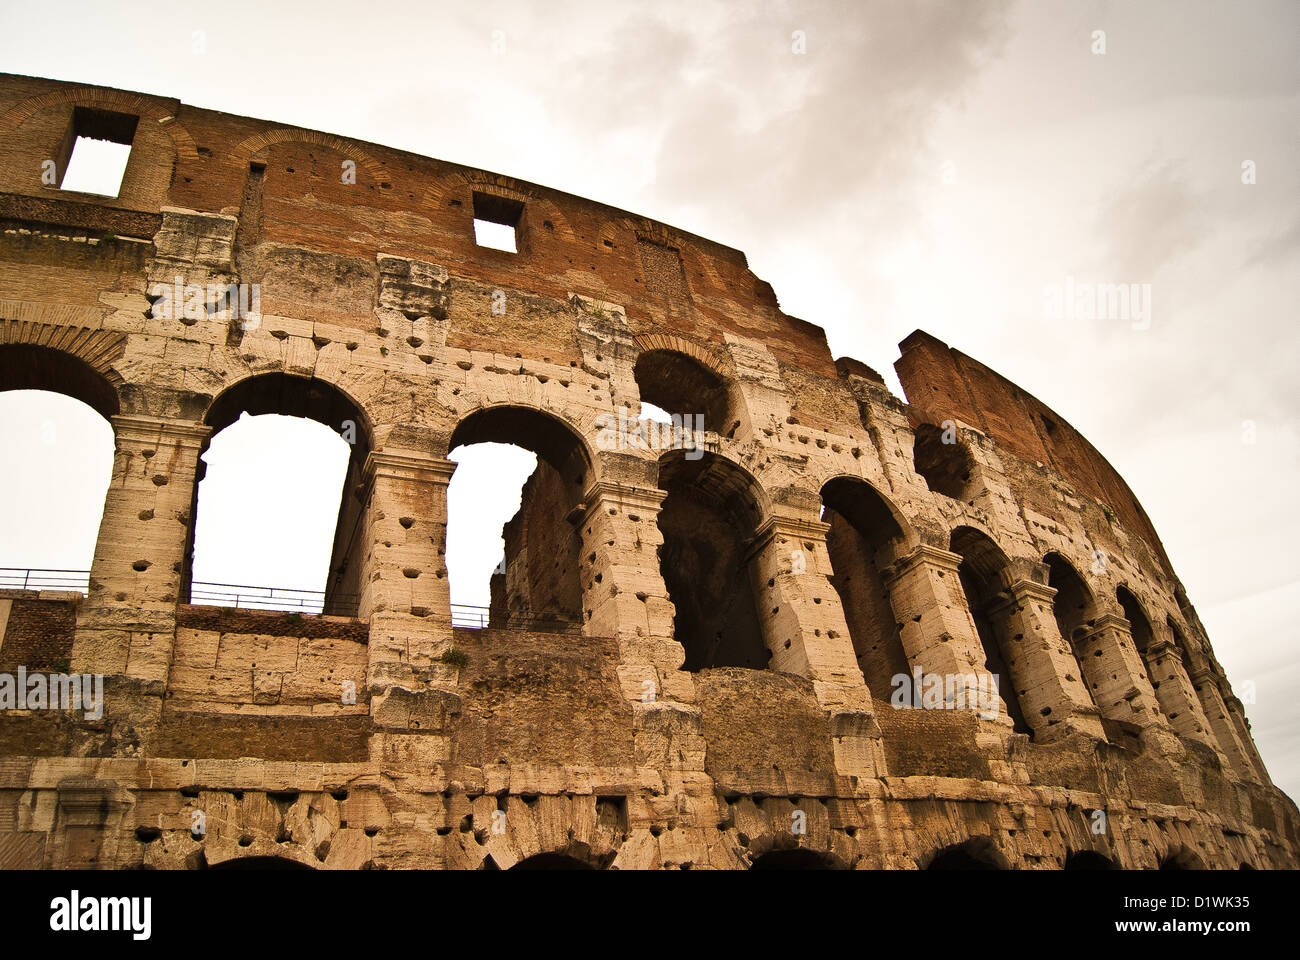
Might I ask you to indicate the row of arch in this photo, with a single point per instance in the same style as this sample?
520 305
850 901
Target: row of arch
711 514
978 853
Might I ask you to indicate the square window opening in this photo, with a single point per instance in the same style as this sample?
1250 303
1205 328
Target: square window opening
98 153
496 222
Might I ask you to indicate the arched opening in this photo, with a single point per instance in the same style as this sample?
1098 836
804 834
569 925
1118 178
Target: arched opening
707 519
681 386
978 853
1140 627
1089 860
981 575
519 571
278 499
58 444
1181 859
944 462
261 863
865 538
552 861
792 860
1071 608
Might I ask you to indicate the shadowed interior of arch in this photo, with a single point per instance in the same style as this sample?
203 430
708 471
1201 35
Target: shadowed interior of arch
864 540
522 565
980 572
707 519
682 386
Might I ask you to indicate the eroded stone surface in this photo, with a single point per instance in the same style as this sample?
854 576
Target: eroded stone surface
691 652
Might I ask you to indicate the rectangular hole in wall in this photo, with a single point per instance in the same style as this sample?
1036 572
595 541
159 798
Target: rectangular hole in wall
496 222
101 145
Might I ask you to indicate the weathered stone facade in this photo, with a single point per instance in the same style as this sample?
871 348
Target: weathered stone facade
692 651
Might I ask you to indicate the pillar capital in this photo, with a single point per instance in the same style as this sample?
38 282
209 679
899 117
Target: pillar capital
625 494
792 528
402 465
925 554
143 429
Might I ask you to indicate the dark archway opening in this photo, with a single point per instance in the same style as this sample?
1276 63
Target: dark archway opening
1182 859
791 860
682 386
707 520
864 539
536 583
944 462
978 853
1070 608
552 861
981 573
1089 860
1140 627
279 416
261 863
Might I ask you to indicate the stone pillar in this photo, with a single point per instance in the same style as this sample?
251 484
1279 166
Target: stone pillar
1043 669
623 592
405 592
935 624
1206 686
127 626
406 596
804 626
1237 715
1112 668
1174 691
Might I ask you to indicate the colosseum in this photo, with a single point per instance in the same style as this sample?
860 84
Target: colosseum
809 625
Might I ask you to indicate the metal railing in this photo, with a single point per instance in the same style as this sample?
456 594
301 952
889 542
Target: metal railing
250 597
37 578
468 615
479 618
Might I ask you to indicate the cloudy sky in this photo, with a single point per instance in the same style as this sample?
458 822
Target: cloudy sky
886 166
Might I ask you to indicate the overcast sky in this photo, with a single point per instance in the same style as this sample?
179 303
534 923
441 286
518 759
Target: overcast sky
931 165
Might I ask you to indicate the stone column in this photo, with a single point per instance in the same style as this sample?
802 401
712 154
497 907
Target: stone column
1206 686
1112 668
804 626
936 628
623 592
1043 669
1237 715
1174 691
127 626
405 592
406 596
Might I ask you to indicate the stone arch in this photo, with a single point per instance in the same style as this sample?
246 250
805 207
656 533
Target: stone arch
313 399
947 467
75 361
686 384
799 858
541 576
1088 860
260 863
551 861
250 147
984 572
712 512
977 853
1181 858
31 367
118 100
867 534
1074 605
1139 626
